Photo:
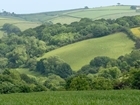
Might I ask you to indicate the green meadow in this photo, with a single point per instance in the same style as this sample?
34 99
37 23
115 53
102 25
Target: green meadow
81 53
68 16
64 19
110 12
100 97
22 24
25 21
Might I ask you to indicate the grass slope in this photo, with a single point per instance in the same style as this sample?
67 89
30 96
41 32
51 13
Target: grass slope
108 12
68 16
22 24
100 97
136 31
80 53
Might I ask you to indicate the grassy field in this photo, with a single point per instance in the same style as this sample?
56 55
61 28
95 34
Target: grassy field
80 53
68 16
136 31
20 23
108 12
64 19
111 97
112 12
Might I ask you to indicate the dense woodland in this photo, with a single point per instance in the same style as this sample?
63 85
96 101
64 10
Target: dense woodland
21 50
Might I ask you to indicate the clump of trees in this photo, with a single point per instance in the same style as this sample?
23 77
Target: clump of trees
13 82
10 28
54 65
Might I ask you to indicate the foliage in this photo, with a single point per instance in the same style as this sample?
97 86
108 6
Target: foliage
10 28
55 82
110 73
54 65
22 49
137 44
80 82
134 79
101 83
12 82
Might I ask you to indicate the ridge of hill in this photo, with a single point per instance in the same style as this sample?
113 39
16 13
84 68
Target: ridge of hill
68 16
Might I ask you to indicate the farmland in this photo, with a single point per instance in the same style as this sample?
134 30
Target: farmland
112 46
68 16
25 21
109 12
22 24
111 97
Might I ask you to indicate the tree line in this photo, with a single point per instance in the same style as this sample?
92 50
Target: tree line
21 49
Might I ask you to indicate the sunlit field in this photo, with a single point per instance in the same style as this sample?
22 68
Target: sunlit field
81 53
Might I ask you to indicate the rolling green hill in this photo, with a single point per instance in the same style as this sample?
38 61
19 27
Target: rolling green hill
22 24
80 53
108 12
68 16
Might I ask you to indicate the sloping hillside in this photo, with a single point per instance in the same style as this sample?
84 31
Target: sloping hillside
68 16
80 53
108 12
22 24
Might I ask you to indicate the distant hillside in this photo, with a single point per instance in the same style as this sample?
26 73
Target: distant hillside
68 16
22 24
80 53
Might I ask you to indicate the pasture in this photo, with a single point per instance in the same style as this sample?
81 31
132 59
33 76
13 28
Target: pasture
81 53
96 97
110 12
64 19
68 16
22 24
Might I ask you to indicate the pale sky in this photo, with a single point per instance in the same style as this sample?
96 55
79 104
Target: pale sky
34 6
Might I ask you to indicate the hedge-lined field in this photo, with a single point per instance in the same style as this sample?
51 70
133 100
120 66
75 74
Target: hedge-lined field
81 53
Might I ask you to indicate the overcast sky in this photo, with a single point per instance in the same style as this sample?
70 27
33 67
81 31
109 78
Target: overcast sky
33 6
